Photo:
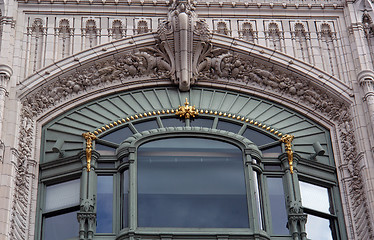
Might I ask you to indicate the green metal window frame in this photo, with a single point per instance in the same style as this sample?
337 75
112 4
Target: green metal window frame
70 167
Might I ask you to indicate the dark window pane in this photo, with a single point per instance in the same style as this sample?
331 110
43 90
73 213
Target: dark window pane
272 167
118 136
61 227
272 151
104 204
125 198
192 182
202 122
143 126
318 228
257 137
105 165
104 150
228 126
173 122
277 206
275 149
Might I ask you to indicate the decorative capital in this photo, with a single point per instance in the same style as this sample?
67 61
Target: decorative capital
89 137
187 111
287 140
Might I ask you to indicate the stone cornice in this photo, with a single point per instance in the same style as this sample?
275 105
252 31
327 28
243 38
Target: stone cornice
317 5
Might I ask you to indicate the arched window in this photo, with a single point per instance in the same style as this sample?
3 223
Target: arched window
158 174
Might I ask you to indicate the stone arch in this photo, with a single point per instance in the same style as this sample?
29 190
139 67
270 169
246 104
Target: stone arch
267 73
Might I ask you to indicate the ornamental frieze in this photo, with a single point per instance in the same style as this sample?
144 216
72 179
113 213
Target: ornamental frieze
185 56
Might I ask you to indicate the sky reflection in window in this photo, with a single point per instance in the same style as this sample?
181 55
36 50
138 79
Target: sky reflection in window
191 182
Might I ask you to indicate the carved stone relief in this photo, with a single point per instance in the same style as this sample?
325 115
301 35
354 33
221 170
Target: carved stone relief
184 54
214 65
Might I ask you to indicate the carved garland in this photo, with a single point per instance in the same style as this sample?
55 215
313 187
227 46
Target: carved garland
205 64
217 65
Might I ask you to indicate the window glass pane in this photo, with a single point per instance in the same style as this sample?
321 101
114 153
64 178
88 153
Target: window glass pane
105 165
125 198
143 126
104 150
118 136
228 126
104 204
275 149
257 183
202 122
272 167
277 205
257 137
318 228
62 195
311 192
191 182
173 122
61 227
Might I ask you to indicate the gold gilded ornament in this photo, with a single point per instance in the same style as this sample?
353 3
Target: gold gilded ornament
287 140
187 111
89 138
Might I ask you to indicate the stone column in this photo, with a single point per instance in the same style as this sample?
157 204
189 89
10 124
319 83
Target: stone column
366 80
5 74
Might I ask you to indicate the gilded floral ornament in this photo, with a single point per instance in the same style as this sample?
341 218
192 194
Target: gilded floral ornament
187 111
89 138
287 140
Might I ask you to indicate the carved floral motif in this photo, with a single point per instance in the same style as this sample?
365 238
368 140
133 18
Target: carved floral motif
21 197
204 64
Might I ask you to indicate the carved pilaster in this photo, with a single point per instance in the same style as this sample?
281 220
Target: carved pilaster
296 217
366 80
87 214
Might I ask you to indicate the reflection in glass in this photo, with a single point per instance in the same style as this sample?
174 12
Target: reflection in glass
229 126
143 126
105 165
268 151
277 205
105 204
118 136
62 195
125 198
257 183
259 138
318 228
191 182
202 122
311 192
61 227
173 122
104 150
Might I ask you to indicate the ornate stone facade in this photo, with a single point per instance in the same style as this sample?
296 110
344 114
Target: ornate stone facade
313 75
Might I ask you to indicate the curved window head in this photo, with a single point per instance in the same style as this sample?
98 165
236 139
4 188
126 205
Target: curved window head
191 182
